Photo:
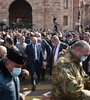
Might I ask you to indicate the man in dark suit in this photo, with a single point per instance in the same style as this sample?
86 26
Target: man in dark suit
86 62
29 37
57 47
34 60
46 48
86 65
47 53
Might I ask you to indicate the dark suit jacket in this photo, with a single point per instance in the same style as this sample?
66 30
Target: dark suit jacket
86 65
30 54
62 46
8 89
47 47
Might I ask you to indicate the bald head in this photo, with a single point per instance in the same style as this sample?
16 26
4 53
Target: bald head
3 51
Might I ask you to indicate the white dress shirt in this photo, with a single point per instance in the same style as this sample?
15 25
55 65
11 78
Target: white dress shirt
36 57
56 53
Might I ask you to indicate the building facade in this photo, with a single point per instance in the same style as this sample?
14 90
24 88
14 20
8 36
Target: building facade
41 13
85 14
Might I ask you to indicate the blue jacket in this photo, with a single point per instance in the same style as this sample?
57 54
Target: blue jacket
8 85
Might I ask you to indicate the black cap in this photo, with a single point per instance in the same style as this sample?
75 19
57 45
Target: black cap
15 56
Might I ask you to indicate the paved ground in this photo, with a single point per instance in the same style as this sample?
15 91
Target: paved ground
42 88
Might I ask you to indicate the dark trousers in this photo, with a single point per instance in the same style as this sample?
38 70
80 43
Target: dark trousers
43 71
35 71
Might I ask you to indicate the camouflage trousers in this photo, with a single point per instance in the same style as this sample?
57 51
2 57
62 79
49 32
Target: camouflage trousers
81 95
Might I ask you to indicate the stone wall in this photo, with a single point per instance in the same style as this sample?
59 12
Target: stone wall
85 13
43 12
75 12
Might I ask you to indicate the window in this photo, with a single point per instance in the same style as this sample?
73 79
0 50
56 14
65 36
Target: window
65 4
65 20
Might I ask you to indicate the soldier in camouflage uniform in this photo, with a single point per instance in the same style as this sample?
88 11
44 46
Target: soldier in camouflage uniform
69 79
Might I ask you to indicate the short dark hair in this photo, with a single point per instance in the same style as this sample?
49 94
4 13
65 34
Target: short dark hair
10 41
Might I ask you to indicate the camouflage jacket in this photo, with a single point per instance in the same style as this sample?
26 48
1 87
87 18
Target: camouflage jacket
69 79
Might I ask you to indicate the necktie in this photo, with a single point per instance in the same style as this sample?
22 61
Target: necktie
35 49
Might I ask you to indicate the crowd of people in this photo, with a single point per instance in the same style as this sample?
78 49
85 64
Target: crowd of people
27 52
